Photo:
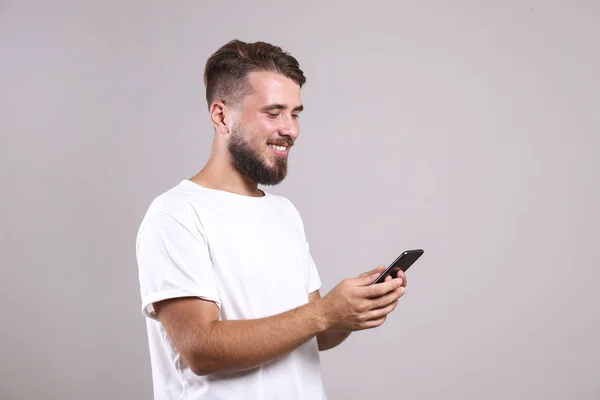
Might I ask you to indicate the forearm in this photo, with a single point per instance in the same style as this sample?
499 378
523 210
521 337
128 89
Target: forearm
331 338
230 346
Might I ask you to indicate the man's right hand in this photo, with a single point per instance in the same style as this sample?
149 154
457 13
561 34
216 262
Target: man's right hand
354 304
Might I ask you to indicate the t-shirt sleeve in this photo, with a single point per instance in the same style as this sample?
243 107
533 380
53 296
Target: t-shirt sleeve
173 261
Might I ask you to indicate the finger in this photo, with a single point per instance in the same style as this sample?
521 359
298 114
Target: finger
364 279
387 299
374 323
379 269
376 315
367 278
382 288
387 277
402 276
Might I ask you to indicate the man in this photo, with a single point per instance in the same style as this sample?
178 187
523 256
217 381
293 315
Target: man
228 285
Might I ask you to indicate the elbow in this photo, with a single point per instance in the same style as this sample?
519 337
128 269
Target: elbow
208 368
203 365
201 370
200 361
199 364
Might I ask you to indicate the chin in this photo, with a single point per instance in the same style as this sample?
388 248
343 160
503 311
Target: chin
275 178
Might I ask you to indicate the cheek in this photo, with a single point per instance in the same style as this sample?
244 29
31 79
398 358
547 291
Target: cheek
266 129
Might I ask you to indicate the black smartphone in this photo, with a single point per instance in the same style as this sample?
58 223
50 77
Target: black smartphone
402 263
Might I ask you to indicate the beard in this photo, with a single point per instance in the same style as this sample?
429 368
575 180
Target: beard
251 162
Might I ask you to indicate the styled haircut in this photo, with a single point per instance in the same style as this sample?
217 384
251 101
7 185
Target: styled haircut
226 71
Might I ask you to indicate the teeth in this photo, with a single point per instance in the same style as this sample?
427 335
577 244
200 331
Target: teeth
278 148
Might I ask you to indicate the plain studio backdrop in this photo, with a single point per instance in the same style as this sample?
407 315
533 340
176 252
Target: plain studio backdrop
468 129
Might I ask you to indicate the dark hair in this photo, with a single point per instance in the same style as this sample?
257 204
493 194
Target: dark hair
226 71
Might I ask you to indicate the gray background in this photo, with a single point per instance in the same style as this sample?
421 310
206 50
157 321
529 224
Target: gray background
469 129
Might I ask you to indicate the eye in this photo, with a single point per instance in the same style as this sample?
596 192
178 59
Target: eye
295 116
273 115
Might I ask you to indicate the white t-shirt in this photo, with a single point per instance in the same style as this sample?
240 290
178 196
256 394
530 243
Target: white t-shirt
250 256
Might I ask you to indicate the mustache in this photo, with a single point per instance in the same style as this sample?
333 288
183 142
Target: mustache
282 142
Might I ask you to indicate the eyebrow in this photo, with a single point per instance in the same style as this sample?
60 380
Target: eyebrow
277 106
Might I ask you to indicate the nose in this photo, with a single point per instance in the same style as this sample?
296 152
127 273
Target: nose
290 128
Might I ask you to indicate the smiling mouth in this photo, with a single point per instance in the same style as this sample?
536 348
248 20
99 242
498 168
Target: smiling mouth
278 148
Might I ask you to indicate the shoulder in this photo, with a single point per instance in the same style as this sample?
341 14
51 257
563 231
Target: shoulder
176 205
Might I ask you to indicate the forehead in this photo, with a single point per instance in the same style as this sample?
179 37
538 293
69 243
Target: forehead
273 88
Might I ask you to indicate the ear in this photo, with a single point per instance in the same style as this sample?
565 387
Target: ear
218 116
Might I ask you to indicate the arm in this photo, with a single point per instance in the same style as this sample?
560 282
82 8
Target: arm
178 288
328 339
211 346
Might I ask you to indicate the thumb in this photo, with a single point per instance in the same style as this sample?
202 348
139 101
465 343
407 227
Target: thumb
379 269
365 279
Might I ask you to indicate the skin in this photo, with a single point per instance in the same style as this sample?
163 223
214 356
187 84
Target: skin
209 345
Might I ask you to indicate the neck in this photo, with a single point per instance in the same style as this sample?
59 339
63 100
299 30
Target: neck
220 174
